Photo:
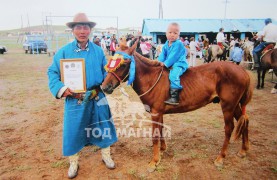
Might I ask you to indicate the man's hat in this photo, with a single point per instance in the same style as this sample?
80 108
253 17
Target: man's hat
80 18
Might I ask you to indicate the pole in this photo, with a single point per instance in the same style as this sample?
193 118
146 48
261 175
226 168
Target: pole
225 9
117 26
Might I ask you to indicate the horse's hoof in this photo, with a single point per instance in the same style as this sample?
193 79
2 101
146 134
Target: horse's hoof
273 91
151 167
241 154
218 162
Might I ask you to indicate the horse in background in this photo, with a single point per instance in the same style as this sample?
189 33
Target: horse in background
215 53
268 61
216 82
247 53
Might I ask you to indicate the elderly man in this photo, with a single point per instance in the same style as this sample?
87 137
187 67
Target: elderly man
85 121
268 36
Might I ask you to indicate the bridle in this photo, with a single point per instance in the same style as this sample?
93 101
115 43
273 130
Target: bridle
118 78
130 75
120 81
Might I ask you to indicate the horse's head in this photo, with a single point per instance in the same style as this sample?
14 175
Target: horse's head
118 67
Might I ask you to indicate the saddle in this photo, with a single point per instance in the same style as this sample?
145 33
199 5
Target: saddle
220 45
268 47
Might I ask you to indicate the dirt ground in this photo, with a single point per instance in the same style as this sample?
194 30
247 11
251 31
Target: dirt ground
31 134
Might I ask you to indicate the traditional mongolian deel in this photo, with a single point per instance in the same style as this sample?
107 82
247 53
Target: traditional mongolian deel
179 65
80 127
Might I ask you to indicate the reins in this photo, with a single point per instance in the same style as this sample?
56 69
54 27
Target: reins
153 84
118 78
129 74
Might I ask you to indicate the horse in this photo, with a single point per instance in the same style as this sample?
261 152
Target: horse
268 61
215 52
247 54
218 82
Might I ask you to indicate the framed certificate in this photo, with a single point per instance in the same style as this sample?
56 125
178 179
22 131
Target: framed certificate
73 74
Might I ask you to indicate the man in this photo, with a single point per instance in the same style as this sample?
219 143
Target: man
85 123
220 39
268 36
103 43
108 44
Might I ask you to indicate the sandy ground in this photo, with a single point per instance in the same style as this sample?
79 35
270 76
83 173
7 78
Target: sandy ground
31 134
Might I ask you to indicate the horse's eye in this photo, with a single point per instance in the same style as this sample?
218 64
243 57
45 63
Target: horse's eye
123 65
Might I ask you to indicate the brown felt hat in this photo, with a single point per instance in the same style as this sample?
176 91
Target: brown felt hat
80 18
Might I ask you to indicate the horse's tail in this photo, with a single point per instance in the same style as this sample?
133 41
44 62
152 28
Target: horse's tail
244 119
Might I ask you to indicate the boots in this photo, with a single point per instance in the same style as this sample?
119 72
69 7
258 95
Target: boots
256 60
106 157
74 166
174 97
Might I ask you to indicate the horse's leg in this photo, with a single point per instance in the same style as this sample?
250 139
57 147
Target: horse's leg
263 76
245 140
259 76
274 89
156 134
162 140
229 127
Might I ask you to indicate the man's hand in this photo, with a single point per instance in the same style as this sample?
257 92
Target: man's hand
67 92
161 64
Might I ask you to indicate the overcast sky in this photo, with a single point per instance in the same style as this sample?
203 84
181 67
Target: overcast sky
130 13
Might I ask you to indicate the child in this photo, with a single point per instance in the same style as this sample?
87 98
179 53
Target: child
236 54
173 56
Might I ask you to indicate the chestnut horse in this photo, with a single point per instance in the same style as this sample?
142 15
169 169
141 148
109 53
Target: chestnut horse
222 82
268 61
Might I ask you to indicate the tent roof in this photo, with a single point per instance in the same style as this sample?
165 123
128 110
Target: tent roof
204 25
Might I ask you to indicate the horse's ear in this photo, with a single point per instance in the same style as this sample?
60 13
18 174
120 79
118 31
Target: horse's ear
133 47
123 44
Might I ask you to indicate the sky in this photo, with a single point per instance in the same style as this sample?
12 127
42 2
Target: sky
127 13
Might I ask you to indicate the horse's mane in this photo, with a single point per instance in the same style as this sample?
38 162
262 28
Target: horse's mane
147 61
123 46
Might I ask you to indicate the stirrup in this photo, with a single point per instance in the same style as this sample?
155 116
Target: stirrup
171 102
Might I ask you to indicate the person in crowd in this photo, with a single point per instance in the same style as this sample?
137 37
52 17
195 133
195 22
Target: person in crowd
201 47
108 44
153 48
193 46
103 43
236 54
220 39
113 46
129 39
81 119
138 49
97 41
186 43
145 49
173 56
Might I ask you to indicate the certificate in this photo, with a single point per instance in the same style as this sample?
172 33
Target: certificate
73 74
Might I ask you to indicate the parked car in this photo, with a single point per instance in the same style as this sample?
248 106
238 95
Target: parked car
34 43
3 49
